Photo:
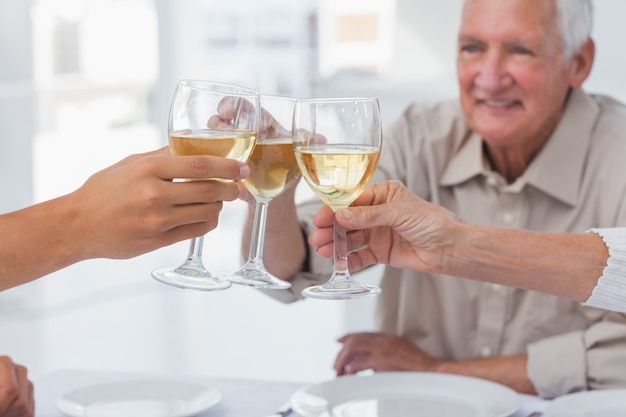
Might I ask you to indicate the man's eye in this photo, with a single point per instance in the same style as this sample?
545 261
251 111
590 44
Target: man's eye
469 48
521 50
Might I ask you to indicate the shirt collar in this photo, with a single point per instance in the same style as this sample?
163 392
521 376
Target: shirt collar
556 169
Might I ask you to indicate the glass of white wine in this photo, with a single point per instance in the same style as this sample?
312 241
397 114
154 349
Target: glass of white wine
208 118
273 169
337 144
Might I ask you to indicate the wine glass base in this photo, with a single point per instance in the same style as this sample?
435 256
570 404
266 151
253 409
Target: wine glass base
190 278
256 278
340 292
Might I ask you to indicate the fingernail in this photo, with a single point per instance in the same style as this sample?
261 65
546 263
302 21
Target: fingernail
344 214
244 170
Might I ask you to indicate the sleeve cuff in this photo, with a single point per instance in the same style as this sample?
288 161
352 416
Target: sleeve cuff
554 370
610 290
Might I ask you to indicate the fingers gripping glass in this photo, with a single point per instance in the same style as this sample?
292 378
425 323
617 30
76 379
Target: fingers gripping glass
337 143
273 169
208 118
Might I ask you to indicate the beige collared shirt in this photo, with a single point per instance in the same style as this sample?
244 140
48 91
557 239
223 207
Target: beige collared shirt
577 181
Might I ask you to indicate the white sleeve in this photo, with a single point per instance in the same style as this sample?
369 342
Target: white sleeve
610 291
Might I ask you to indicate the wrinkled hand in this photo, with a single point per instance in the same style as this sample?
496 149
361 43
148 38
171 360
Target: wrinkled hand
16 391
381 353
134 206
233 113
390 225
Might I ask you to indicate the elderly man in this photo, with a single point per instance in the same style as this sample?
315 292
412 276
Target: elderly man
524 147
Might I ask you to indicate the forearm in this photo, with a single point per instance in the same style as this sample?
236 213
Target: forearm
284 251
509 371
567 265
36 241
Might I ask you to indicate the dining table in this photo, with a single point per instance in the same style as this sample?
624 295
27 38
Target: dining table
239 397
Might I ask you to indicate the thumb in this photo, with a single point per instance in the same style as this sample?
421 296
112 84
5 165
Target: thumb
365 217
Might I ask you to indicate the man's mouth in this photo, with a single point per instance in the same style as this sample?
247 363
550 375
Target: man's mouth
499 104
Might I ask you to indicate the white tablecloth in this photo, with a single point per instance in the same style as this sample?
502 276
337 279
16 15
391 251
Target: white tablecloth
240 398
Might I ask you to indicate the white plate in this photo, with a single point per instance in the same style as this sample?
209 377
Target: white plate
601 403
406 394
149 398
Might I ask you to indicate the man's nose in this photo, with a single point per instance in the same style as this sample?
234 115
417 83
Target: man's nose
493 75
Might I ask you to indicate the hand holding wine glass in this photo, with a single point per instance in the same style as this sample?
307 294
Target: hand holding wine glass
208 118
337 143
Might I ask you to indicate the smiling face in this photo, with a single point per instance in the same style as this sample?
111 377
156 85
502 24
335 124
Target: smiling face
512 76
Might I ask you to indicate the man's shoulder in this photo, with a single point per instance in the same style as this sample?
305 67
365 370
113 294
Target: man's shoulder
609 105
436 120
603 116
446 109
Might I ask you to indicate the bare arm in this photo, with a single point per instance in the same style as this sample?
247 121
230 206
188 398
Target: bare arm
384 353
505 370
567 265
122 211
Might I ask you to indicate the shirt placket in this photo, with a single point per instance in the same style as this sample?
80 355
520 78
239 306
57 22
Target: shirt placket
493 298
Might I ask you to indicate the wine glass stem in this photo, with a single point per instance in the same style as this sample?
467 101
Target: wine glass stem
341 253
258 233
195 250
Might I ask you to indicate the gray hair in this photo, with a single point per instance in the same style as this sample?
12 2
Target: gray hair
574 23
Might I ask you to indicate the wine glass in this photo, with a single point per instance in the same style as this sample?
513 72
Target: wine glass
196 127
337 144
273 169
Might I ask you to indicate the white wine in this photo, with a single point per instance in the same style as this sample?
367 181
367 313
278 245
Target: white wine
273 168
338 173
225 144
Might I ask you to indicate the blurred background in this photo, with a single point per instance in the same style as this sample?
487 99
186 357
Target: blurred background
84 83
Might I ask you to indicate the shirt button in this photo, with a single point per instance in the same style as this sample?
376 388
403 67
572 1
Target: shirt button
492 181
497 288
485 352
508 218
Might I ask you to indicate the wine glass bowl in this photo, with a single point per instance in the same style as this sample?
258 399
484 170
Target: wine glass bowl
208 118
337 144
273 169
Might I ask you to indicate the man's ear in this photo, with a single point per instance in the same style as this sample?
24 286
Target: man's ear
581 64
